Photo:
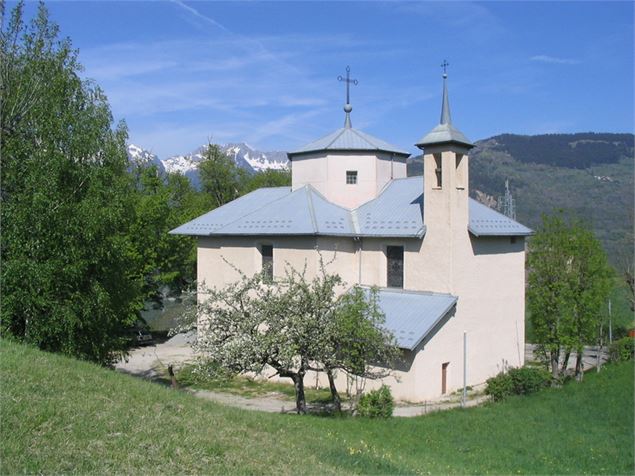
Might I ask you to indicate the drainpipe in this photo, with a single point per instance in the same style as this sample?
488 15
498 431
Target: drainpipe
359 259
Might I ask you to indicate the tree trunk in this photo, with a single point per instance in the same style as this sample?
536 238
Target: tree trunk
334 395
565 362
578 366
175 384
554 356
300 400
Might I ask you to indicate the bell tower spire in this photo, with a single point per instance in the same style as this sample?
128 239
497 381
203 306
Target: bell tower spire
446 118
445 132
446 190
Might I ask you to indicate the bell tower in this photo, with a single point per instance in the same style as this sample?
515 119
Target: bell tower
445 188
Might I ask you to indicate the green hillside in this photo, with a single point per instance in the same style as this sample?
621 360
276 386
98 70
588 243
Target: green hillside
587 174
65 416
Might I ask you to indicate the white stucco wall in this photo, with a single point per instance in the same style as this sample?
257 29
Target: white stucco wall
327 173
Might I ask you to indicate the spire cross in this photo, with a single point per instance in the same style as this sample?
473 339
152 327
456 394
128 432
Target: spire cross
445 65
348 81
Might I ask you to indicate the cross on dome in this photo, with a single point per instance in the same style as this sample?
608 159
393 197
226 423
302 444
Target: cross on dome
445 65
347 107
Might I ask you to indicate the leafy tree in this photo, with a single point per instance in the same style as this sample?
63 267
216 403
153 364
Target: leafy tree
68 267
569 282
161 203
268 178
292 325
221 179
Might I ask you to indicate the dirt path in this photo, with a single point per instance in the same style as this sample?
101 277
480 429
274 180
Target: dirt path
151 362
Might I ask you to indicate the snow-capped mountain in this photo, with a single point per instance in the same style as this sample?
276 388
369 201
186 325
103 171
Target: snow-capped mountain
256 160
243 155
141 157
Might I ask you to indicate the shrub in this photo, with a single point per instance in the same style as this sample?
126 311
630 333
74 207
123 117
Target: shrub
622 350
521 381
499 387
529 379
376 403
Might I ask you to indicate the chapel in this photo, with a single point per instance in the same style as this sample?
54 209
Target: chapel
450 270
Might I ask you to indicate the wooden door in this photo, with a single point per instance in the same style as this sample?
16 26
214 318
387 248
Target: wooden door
444 377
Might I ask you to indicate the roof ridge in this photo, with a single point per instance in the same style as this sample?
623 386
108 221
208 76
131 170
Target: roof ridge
311 209
407 291
337 136
361 135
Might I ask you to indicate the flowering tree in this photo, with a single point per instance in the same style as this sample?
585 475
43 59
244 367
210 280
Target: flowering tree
293 325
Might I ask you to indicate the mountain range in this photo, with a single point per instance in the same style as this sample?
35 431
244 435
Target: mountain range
243 154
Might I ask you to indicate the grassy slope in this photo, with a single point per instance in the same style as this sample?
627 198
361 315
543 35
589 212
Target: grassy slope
61 416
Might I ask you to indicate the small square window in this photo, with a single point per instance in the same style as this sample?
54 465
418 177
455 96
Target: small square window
351 177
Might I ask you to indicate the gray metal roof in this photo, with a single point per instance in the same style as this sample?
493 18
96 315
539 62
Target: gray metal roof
445 132
487 222
396 212
348 139
412 315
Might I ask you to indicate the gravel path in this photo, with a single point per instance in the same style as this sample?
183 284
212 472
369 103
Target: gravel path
151 362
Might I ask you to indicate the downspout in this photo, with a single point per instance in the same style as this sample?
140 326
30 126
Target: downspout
359 259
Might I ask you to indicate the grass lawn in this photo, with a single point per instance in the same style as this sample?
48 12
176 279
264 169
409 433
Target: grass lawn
64 416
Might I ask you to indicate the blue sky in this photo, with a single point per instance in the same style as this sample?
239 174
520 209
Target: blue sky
181 73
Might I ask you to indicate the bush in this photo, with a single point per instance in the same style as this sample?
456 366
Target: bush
499 387
376 403
622 350
521 381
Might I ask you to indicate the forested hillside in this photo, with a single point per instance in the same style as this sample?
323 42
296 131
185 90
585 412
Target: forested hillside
586 174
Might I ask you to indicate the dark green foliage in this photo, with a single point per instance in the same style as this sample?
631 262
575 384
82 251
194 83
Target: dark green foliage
376 403
221 179
499 387
578 151
568 286
517 381
68 267
161 203
267 178
622 350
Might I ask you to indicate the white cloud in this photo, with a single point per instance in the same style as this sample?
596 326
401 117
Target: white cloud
553 60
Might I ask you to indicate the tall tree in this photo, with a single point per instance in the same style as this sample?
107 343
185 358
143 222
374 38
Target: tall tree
68 273
569 282
221 179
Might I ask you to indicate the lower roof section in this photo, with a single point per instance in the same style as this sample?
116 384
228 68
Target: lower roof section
412 315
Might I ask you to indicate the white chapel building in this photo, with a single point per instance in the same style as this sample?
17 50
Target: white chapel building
444 263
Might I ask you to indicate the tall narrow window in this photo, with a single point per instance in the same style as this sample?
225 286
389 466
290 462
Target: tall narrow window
267 260
438 169
351 177
395 266
460 171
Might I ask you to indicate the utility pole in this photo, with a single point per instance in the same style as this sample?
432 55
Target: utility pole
464 398
610 325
